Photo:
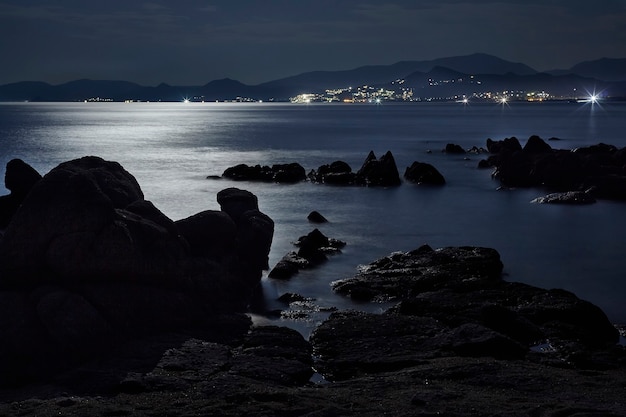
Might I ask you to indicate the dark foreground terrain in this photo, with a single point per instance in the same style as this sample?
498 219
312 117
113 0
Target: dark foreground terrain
109 308
459 342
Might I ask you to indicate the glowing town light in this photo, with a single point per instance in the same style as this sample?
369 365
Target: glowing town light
186 100
465 100
593 98
503 100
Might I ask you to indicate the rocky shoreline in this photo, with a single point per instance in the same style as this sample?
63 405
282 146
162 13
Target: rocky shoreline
107 307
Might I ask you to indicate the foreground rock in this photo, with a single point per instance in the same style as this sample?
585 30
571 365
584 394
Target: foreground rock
86 263
598 167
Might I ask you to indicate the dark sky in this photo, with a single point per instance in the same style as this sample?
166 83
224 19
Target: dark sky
191 42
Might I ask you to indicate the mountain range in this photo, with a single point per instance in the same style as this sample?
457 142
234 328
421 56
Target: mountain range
441 77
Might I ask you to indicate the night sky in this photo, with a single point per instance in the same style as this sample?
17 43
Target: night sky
191 42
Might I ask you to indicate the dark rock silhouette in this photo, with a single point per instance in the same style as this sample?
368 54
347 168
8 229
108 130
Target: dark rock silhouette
87 263
453 148
336 173
19 178
280 173
379 172
316 217
423 173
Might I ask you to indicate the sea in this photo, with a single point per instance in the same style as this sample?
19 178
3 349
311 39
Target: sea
175 149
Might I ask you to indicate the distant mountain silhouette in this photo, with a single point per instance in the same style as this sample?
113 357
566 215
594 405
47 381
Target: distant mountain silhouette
607 69
432 78
377 74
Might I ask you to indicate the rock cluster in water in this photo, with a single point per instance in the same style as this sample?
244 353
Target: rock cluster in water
87 263
599 169
375 172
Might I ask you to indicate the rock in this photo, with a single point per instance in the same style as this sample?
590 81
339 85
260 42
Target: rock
379 172
536 145
423 173
244 172
316 217
255 232
400 275
288 173
454 149
508 144
19 178
280 173
312 251
337 173
235 202
571 197
210 234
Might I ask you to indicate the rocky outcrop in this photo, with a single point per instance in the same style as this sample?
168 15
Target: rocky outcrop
423 173
280 173
86 263
599 168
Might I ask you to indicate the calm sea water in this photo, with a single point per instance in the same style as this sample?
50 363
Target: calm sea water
171 149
